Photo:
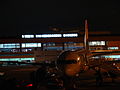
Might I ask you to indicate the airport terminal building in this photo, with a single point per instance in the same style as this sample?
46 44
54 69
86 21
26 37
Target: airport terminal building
48 46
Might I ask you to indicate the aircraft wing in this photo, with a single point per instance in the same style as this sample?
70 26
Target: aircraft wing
105 51
102 53
94 53
106 63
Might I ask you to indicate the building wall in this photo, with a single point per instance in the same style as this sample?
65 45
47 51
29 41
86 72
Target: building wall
56 44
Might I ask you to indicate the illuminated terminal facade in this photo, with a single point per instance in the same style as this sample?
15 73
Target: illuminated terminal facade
23 48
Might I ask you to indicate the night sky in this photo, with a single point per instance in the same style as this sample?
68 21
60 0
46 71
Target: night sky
38 16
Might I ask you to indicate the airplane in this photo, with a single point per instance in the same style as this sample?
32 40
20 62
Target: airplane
80 59
71 63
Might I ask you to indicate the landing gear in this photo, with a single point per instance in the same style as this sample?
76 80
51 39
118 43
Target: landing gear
99 78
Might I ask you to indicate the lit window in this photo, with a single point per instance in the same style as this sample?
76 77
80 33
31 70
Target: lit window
1 45
93 43
112 56
10 45
39 44
23 44
48 35
27 58
70 35
38 36
49 44
27 36
112 48
16 59
31 44
26 50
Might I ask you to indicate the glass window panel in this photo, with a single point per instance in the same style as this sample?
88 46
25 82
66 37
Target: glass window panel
23 44
51 35
27 58
31 44
113 48
39 44
38 36
1 45
16 59
27 36
10 45
93 43
23 36
70 35
48 35
112 56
